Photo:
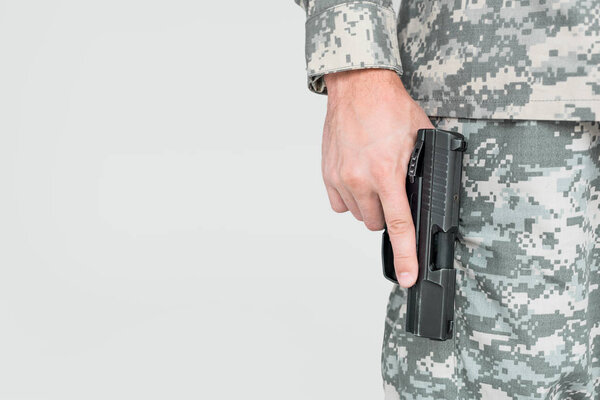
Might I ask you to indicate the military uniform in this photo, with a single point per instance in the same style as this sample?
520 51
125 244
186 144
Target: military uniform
521 81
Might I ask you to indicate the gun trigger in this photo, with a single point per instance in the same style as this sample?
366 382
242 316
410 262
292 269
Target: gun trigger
414 161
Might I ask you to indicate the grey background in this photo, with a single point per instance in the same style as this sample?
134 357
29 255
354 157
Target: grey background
164 230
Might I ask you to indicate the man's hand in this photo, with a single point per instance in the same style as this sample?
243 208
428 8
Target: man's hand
369 133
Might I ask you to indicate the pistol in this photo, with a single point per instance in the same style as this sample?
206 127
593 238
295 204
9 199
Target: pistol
433 190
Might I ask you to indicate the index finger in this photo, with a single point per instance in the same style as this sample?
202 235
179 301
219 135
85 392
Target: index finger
401 230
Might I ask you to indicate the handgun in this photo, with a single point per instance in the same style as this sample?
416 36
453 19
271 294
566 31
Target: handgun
433 191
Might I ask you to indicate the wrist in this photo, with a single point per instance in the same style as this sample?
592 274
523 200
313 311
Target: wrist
373 81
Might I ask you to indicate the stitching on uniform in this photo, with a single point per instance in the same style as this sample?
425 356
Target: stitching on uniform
346 4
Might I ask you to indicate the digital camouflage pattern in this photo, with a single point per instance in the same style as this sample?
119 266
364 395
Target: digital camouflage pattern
494 59
516 77
342 35
517 59
527 306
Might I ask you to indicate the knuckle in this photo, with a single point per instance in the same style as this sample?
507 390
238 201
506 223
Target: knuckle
399 226
402 258
352 177
381 171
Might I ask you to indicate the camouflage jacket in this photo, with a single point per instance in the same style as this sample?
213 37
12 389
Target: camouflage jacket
497 59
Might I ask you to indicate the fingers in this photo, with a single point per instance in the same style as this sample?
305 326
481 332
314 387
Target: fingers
371 211
350 202
366 208
336 201
402 233
390 207
341 200
352 193
340 193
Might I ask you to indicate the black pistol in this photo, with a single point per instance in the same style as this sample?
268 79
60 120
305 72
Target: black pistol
433 191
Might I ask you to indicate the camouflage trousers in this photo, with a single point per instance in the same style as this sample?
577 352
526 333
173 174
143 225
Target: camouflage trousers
527 306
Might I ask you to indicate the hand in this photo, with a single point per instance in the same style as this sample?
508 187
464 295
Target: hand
369 133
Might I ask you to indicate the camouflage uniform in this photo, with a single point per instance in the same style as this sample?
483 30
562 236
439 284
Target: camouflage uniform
521 80
494 59
527 306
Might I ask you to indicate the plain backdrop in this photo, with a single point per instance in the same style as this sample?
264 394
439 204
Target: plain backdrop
164 229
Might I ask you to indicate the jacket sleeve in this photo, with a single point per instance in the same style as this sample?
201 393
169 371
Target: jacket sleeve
344 35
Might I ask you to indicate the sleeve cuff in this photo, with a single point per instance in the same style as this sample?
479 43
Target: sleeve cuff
348 36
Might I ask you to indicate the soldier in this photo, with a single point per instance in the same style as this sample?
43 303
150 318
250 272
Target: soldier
520 79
